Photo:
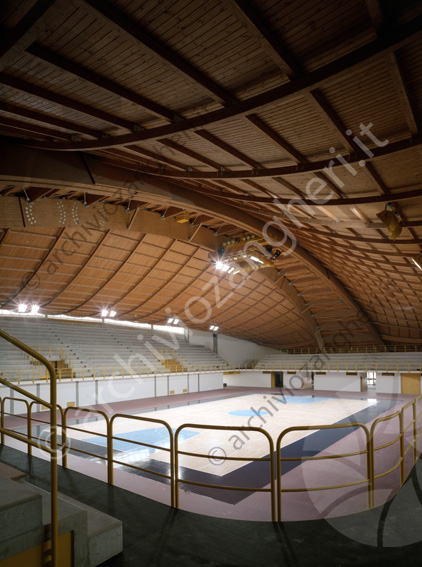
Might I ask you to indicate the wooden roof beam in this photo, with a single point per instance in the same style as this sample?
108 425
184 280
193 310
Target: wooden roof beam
64 64
118 21
289 290
246 12
53 169
328 74
383 23
15 40
44 118
27 128
61 100
227 148
393 65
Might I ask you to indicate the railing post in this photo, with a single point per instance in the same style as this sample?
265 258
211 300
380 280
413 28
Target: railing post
2 421
29 426
415 432
110 453
402 462
64 439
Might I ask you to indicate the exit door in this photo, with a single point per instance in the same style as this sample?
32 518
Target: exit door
411 383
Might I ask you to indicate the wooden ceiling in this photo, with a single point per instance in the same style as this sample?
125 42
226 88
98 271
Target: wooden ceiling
298 120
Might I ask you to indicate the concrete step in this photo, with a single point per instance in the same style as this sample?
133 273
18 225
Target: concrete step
11 473
71 519
21 525
105 534
97 536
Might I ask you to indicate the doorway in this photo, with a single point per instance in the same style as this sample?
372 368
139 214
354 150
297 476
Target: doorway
411 383
277 379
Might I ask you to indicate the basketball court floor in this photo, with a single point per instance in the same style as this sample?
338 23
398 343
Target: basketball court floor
269 410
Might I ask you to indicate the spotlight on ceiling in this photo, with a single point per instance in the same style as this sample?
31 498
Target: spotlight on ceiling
104 312
213 328
417 260
34 309
112 313
22 307
389 217
255 259
170 320
176 322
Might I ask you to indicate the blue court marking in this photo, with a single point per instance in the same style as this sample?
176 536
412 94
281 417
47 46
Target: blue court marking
247 413
301 399
155 436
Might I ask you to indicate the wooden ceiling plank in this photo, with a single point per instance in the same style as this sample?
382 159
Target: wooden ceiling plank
15 40
110 86
26 283
114 273
328 74
44 118
118 21
409 114
267 39
65 101
89 258
227 148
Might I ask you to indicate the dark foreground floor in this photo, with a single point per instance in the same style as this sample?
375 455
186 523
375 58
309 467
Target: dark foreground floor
156 535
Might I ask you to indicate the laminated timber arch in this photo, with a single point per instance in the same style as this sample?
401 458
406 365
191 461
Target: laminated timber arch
330 73
45 170
225 111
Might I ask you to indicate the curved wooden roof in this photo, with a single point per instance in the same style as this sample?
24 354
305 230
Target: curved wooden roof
299 121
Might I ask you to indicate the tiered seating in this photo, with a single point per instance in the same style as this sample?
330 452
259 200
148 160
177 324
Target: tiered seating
101 350
381 361
199 357
37 334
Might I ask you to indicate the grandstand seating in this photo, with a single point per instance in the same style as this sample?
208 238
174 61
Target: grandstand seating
93 349
370 362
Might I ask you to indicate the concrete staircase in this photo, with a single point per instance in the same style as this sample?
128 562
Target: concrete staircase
25 523
173 365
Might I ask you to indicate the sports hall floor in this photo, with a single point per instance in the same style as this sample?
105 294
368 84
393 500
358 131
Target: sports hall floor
158 536
273 410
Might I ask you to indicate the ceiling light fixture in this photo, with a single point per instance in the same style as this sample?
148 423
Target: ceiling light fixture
34 309
22 307
112 313
170 321
104 312
417 260
390 218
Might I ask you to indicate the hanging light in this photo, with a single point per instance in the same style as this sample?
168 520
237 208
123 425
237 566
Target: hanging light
104 312
389 217
34 309
22 307
417 260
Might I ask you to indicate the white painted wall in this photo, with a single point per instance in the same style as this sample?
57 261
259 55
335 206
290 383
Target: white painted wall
248 379
237 351
211 381
388 384
337 381
93 392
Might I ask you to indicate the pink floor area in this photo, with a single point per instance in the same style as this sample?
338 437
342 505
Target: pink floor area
310 504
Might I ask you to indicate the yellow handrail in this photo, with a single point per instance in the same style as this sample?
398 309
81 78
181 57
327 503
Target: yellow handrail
53 435
369 462
270 459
